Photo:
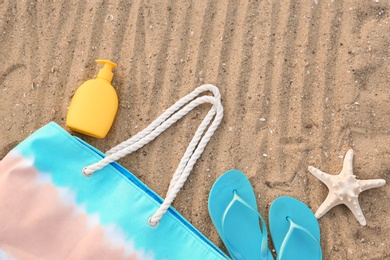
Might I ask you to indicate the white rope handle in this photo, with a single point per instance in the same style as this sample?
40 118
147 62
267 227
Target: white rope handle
193 152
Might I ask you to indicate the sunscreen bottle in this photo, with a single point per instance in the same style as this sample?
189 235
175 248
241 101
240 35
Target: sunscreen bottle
94 105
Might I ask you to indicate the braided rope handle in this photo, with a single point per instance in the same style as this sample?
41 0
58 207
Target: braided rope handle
164 121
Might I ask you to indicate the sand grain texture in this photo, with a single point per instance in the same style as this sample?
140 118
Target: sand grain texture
301 84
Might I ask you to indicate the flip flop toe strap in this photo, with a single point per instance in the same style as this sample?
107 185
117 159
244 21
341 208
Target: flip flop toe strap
264 244
295 227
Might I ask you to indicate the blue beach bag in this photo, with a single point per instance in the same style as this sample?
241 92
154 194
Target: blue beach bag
61 198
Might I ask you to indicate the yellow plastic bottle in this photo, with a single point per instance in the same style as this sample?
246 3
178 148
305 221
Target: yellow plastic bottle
94 105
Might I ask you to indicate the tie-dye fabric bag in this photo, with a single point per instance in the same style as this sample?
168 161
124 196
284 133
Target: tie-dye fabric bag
61 198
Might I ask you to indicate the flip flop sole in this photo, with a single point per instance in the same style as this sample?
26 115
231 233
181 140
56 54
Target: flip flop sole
241 226
300 245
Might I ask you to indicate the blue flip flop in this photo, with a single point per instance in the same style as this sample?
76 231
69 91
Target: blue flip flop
233 210
294 230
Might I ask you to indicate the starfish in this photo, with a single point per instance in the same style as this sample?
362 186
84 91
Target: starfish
344 188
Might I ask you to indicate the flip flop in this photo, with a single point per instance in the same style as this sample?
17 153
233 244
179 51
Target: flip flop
233 210
294 230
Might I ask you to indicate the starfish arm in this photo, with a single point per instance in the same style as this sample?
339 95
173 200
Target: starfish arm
330 201
322 176
348 162
353 205
370 184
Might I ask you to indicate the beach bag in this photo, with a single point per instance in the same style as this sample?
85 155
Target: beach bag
61 198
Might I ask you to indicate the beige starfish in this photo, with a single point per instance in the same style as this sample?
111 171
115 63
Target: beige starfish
344 188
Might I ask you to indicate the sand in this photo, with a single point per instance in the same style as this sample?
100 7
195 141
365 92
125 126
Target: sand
301 83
